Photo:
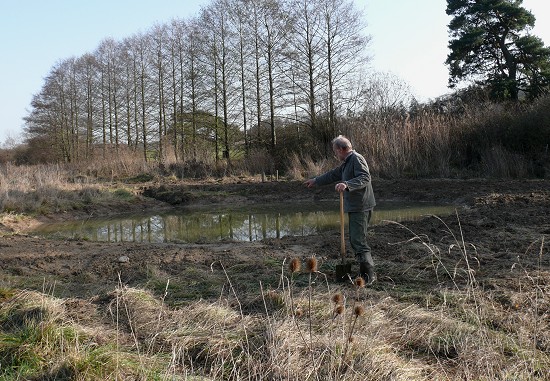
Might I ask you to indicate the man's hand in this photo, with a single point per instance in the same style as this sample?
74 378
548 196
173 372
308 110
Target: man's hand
340 187
310 183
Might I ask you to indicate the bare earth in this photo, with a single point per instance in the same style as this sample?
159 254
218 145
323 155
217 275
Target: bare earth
504 227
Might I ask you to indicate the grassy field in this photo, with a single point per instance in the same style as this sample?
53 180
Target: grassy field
457 299
315 331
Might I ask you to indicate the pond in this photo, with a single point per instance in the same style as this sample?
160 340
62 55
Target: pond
252 223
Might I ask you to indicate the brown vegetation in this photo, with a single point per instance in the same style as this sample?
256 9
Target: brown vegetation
460 297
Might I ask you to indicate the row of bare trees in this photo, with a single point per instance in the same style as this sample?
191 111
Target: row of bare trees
212 87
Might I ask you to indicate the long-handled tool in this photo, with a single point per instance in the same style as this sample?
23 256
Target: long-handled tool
342 269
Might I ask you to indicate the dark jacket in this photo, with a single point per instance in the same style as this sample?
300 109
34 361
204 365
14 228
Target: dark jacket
354 171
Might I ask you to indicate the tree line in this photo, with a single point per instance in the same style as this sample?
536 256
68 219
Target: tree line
275 80
212 87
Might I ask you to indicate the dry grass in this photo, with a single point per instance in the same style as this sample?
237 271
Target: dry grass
45 189
397 145
40 188
320 331
464 332
486 139
498 162
306 167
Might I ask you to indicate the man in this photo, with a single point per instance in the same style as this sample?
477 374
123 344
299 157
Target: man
353 178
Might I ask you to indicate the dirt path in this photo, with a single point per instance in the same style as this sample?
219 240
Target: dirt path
504 227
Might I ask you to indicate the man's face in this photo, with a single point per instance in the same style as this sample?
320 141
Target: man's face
340 153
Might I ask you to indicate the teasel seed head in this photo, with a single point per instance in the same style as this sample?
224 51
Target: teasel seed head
359 310
312 264
273 295
360 282
337 298
295 265
339 310
299 312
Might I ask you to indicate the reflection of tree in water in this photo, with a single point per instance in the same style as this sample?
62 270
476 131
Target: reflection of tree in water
207 226
210 227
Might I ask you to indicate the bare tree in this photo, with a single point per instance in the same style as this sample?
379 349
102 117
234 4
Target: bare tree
202 85
88 86
48 120
194 79
127 79
239 13
307 44
159 40
139 50
106 56
345 45
176 41
224 62
327 48
385 94
275 26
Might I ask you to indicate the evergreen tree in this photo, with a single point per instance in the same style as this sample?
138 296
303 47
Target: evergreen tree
491 45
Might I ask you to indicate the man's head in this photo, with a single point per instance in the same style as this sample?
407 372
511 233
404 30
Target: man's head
341 147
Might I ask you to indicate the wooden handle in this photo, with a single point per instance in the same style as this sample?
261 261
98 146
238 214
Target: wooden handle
342 240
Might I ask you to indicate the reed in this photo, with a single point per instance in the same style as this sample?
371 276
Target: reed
45 189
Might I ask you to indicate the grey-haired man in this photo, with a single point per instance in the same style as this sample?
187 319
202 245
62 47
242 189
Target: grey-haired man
353 178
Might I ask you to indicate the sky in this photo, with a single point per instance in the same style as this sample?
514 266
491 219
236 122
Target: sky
408 39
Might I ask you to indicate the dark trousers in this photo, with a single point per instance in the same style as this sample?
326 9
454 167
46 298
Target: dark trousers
358 224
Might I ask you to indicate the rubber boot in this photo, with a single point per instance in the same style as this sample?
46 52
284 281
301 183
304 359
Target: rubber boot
363 271
366 272
370 274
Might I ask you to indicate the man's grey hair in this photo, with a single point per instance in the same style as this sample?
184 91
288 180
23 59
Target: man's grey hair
341 142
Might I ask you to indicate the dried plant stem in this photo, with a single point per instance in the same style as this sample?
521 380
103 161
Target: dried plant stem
538 291
247 349
293 314
310 292
349 338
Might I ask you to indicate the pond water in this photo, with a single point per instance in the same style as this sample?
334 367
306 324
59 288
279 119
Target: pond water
252 223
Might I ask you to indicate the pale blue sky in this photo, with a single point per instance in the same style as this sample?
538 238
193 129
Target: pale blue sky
409 39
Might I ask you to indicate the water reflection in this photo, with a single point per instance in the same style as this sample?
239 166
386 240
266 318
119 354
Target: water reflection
252 224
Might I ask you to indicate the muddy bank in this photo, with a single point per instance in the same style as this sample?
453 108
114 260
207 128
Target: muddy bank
501 227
